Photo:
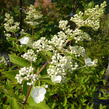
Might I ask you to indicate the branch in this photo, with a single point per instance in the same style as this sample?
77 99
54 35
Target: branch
29 89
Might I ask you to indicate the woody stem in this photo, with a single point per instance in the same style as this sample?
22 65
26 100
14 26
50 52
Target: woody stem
29 89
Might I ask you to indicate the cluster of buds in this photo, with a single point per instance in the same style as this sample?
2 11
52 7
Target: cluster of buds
10 25
77 51
32 16
59 66
91 17
63 24
41 44
26 74
30 56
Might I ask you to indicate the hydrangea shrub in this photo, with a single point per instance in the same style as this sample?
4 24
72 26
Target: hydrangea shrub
53 60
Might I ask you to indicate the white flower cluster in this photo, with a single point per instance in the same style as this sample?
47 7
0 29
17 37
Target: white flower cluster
26 73
30 56
10 25
77 50
60 62
91 17
32 15
38 94
79 35
41 45
58 40
59 66
63 24
63 58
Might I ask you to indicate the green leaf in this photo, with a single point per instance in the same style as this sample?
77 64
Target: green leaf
14 104
18 60
65 101
10 74
6 107
89 107
91 4
33 105
72 106
102 107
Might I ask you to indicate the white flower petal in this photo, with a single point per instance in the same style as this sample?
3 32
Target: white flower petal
39 98
42 90
89 62
24 40
56 79
38 94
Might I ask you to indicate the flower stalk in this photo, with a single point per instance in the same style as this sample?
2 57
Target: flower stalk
30 87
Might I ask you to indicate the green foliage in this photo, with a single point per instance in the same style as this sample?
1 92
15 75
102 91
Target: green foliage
79 88
18 60
14 104
32 105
